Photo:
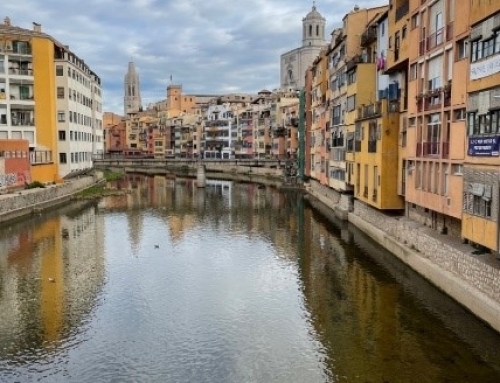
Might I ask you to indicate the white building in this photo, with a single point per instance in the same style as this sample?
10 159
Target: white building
79 114
294 63
217 136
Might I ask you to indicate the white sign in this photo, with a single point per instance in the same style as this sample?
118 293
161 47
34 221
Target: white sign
485 68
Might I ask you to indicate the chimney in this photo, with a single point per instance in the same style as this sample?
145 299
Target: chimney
37 27
6 21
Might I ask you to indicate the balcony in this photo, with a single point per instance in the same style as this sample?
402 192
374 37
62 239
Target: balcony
21 71
402 10
435 39
370 111
374 195
39 157
369 36
433 149
337 141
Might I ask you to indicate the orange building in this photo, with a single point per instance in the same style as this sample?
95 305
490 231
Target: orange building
14 164
481 166
432 41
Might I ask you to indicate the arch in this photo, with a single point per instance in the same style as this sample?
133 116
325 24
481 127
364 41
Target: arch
310 30
317 30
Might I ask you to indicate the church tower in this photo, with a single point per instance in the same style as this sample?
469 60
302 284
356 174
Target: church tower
313 29
294 63
132 99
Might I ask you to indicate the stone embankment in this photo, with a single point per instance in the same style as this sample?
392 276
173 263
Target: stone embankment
33 201
472 280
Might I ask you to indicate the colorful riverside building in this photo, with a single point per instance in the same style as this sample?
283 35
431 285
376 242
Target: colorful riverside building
481 166
376 136
426 40
34 102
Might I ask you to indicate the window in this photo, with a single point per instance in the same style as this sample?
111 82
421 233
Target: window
351 103
62 158
462 49
415 21
459 114
60 92
61 116
457 169
488 123
351 77
62 135
59 70
403 33
413 71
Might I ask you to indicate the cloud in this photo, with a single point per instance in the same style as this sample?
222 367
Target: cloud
210 46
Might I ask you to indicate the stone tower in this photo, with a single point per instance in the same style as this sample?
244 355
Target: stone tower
313 29
294 63
132 99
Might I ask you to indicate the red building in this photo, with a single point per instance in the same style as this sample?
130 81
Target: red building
15 170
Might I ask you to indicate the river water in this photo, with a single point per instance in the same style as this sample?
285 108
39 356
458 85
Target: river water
232 283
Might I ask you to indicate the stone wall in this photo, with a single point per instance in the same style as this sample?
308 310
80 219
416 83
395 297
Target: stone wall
442 224
472 271
26 202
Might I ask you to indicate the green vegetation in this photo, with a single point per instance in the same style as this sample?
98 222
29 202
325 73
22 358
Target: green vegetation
110 175
34 185
94 191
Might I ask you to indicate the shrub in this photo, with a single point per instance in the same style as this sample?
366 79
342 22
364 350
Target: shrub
34 185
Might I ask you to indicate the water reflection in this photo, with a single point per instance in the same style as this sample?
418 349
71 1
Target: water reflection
51 272
230 283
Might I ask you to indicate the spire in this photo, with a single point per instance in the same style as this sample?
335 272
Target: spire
132 90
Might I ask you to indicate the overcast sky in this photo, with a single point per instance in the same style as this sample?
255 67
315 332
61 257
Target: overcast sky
209 46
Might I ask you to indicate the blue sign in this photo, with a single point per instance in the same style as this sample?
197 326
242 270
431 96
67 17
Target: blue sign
484 146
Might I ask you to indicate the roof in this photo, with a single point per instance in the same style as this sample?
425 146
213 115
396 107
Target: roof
314 14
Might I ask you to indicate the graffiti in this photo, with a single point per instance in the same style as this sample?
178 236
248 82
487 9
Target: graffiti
14 179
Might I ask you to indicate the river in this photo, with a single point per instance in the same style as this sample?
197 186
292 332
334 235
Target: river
232 283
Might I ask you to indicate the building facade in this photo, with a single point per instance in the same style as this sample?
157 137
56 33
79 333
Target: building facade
294 63
36 75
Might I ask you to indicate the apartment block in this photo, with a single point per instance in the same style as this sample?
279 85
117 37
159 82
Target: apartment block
49 97
480 208
376 137
432 117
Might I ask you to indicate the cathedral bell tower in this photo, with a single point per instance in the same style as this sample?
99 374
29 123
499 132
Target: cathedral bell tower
313 29
132 99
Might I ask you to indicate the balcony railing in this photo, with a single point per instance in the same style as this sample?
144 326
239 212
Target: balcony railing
402 10
370 111
435 39
433 149
337 141
369 35
374 195
40 157
21 72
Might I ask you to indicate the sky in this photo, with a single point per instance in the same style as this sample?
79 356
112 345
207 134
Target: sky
208 46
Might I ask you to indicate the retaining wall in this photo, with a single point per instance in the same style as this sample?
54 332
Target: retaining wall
25 202
467 278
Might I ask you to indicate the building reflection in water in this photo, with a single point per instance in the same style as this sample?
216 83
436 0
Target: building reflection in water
51 272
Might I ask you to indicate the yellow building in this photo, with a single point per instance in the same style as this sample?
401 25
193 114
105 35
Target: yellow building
42 84
28 108
480 171
376 136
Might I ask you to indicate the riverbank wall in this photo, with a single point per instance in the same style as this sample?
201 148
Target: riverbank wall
34 201
471 280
